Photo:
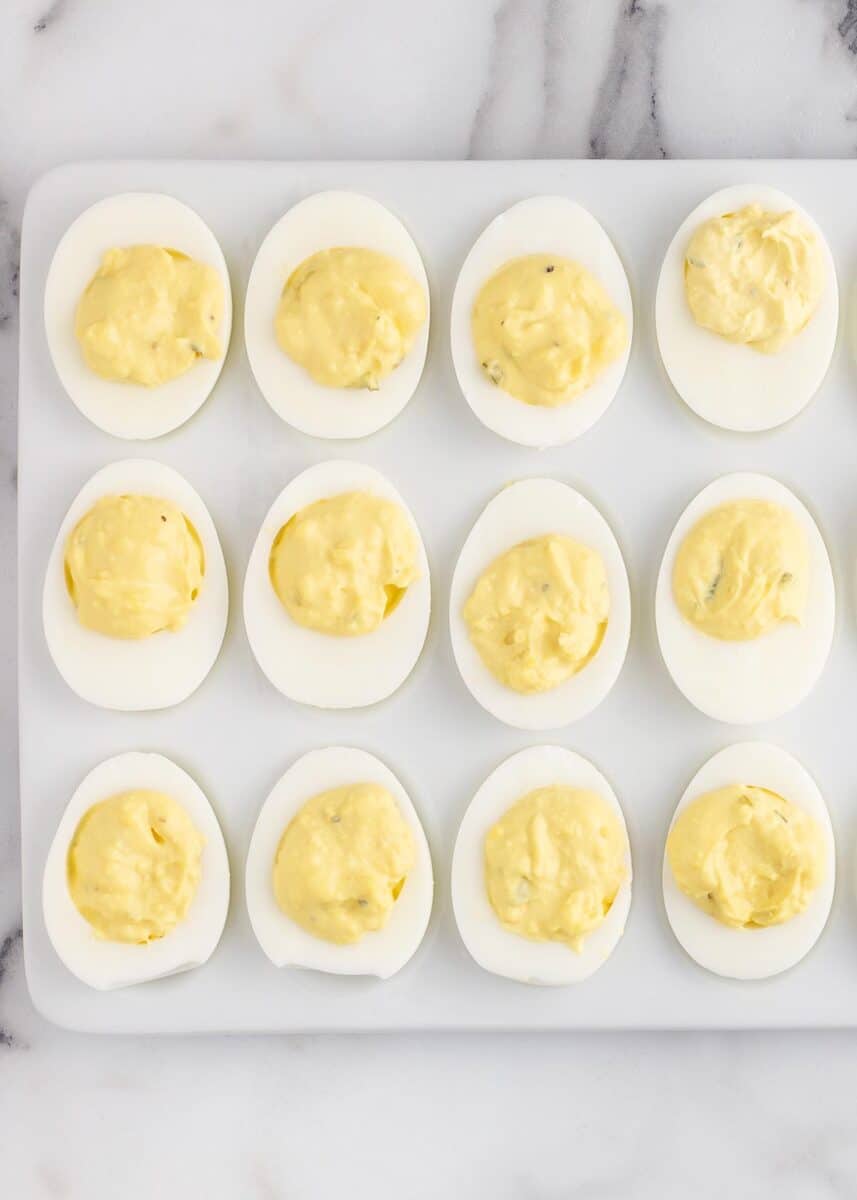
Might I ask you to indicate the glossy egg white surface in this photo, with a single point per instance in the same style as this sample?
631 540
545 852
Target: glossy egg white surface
497 949
103 964
128 410
381 952
729 384
153 672
322 669
752 953
322 222
540 225
527 509
746 682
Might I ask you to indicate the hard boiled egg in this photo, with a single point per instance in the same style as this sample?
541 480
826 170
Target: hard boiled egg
748 681
531 508
287 944
156 671
320 222
731 385
540 225
133 218
317 668
104 964
492 946
752 953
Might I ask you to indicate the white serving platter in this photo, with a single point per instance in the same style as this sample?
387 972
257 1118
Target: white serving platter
640 465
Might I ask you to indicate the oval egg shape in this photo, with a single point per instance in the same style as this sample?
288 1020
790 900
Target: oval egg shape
731 385
497 949
752 953
315 668
539 225
133 218
320 222
527 509
158 671
106 965
380 953
742 683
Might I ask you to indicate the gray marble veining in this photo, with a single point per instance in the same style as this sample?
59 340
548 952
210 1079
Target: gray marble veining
9 950
848 26
625 121
9 262
50 16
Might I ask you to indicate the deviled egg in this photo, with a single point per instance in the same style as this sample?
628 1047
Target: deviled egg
360 901
747 308
541 872
136 597
337 594
540 607
745 600
749 864
542 323
136 882
336 318
138 313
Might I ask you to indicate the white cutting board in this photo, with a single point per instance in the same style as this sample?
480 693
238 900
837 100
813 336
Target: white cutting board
640 465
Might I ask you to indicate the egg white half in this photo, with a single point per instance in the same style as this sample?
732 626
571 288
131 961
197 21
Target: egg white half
317 668
540 225
322 222
493 947
731 385
752 953
382 952
759 680
157 671
528 509
105 965
128 410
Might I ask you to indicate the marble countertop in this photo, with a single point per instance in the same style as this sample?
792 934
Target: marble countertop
540 1117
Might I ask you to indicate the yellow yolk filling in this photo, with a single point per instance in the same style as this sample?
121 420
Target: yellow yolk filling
544 329
754 277
747 856
554 863
538 613
134 865
341 565
149 314
133 566
349 316
343 861
742 569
